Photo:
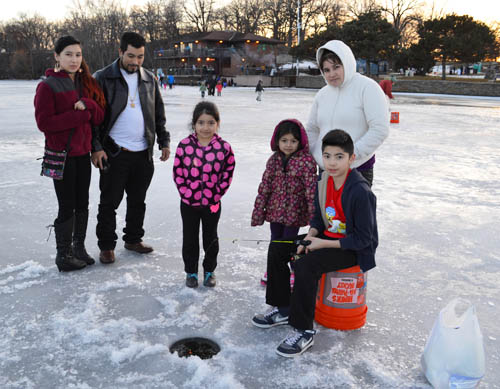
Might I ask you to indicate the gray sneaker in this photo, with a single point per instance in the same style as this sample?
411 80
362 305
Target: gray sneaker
296 343
270 319
192 280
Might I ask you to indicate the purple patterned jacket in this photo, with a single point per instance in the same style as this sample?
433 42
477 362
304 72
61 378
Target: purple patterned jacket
286 193
203 174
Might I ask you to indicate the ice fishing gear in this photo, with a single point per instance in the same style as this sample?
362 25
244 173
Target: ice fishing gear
299 242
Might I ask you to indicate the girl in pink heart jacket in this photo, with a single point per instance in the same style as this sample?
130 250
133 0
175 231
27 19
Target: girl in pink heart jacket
285 197
203 170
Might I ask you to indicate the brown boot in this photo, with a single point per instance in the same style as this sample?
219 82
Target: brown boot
107 256
140 247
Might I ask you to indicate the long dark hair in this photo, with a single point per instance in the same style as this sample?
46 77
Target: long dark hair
205 107
91 88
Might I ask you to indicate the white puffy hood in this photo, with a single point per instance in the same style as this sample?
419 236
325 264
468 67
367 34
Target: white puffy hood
358 107
346 56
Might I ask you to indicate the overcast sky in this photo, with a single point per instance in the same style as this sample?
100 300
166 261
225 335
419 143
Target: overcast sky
485 10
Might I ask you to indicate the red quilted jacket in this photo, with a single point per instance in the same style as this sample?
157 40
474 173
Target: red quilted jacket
286 193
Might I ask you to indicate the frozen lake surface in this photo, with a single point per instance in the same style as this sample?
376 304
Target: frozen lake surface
438 189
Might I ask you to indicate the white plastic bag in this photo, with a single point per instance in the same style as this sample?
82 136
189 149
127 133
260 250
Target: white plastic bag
454 355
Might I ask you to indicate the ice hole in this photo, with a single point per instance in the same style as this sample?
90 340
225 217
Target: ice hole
201 347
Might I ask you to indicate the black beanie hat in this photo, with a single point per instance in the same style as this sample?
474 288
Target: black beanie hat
65 41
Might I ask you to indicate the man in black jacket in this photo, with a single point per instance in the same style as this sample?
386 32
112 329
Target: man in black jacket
122 147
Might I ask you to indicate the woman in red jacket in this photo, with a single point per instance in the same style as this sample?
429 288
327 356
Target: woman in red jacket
70 99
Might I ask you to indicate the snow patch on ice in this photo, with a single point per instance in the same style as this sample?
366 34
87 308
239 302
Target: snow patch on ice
136 350
29 270
125 281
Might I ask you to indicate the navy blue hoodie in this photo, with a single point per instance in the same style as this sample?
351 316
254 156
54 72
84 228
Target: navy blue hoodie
359 205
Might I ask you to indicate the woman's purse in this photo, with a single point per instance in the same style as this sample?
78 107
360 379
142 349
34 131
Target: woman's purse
53 161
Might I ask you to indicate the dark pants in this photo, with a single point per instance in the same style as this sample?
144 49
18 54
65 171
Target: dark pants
191 218
73 190
129 172
281 232
308 271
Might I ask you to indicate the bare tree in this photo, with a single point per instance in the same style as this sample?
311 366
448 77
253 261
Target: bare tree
147 20
99 25
172 19
356 8
30 38
435 12
157 19
199 16
330 13
243 15
275 18
309 15
223 19
231 17
405 16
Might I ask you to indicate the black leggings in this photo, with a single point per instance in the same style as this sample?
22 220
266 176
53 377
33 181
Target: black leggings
191 218
73 190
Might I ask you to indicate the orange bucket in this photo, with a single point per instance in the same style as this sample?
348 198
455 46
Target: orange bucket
341 299
394 117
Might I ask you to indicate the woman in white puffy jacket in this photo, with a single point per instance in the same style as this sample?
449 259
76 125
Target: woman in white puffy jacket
350 102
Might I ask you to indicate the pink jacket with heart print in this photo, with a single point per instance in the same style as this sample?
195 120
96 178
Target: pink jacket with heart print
203 174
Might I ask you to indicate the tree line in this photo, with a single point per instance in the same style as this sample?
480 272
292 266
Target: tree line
398 30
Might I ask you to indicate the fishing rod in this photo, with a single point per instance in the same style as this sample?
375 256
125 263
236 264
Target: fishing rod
299 242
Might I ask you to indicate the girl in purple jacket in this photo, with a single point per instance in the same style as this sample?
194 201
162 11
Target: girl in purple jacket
286 193
203 170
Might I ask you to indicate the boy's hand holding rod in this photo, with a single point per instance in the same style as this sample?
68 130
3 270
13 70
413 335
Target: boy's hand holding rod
311 243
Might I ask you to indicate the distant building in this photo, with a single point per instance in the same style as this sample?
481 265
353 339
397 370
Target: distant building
226 53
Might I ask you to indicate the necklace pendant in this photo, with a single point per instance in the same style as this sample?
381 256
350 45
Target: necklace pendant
132 104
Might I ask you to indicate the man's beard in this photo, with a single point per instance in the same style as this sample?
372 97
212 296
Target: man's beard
128 71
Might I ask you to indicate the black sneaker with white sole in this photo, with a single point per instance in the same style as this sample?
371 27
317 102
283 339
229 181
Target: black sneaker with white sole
296 343
270 319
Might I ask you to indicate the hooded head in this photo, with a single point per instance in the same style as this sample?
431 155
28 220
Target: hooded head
341 50
289 126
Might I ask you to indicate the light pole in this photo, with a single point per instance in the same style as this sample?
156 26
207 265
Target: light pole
298 34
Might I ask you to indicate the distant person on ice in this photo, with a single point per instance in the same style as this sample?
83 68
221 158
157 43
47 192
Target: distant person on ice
203 171
170 80
219 87
259 89
67 104
203 88
342 234
285 196
350 101
386 86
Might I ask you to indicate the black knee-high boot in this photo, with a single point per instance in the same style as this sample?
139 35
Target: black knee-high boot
79 234
64 259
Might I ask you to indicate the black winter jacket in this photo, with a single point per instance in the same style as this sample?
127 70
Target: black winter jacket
359 205
115 90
